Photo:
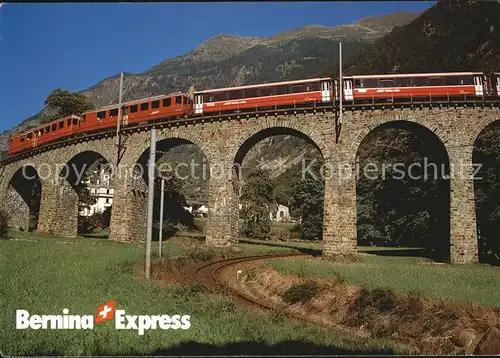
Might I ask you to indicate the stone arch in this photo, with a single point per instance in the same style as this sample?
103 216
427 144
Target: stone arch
245 142
373 125
179 136
485 196
167 140
22 195
478 127
74 182
128 219
269 128
78 164
436 141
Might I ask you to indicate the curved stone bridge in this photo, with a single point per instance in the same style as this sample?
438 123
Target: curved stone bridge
225 142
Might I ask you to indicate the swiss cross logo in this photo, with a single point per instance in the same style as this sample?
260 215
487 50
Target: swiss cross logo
105 312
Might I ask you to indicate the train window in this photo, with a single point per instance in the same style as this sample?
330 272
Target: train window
387 83
221 96
101 115
167 102
298 88
313 86
133 108
54 127
113 112
144 106
436 81
69 121
370 83
451 81
40 132
466 80
61 124
178 100
252 93
84 116
358 84
155 104
75 121
267 91
29 136
284 89
208 98
47 129
402 82
21 139
419 81
235 94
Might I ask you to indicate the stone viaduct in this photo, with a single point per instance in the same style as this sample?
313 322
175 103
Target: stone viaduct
225 141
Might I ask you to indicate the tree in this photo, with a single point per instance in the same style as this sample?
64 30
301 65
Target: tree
258 202
307 203
173 209
487 188
64 103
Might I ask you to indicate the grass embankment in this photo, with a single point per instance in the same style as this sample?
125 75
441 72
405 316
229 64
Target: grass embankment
45 275
430 326
406 274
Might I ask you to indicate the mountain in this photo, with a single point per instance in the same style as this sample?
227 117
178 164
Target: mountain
450 36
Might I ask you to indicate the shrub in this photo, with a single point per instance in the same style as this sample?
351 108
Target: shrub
4 224
303 292
381 299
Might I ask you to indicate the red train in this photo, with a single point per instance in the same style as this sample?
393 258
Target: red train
289 94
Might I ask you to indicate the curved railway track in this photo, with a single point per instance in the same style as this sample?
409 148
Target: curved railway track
206 274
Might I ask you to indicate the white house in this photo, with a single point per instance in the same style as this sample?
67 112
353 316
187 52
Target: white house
282 213
197 208
100 188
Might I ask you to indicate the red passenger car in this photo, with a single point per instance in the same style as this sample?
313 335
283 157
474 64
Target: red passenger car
413 87
139 111
49 132
263 96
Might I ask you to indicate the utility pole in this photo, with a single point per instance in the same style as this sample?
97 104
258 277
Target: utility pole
151 183
119 121
162 200
341 84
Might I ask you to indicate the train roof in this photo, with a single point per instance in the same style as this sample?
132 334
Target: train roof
263 85
404 75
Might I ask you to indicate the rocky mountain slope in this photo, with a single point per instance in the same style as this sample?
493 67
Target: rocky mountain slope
451 36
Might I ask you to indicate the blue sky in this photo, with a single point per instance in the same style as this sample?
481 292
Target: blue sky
74 46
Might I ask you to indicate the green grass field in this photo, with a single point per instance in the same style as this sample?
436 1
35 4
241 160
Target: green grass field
45 275
407 274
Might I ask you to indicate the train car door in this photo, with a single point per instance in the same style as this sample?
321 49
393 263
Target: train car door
198 104
325 91
478 85
348 96
35 138
497 82
125 116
